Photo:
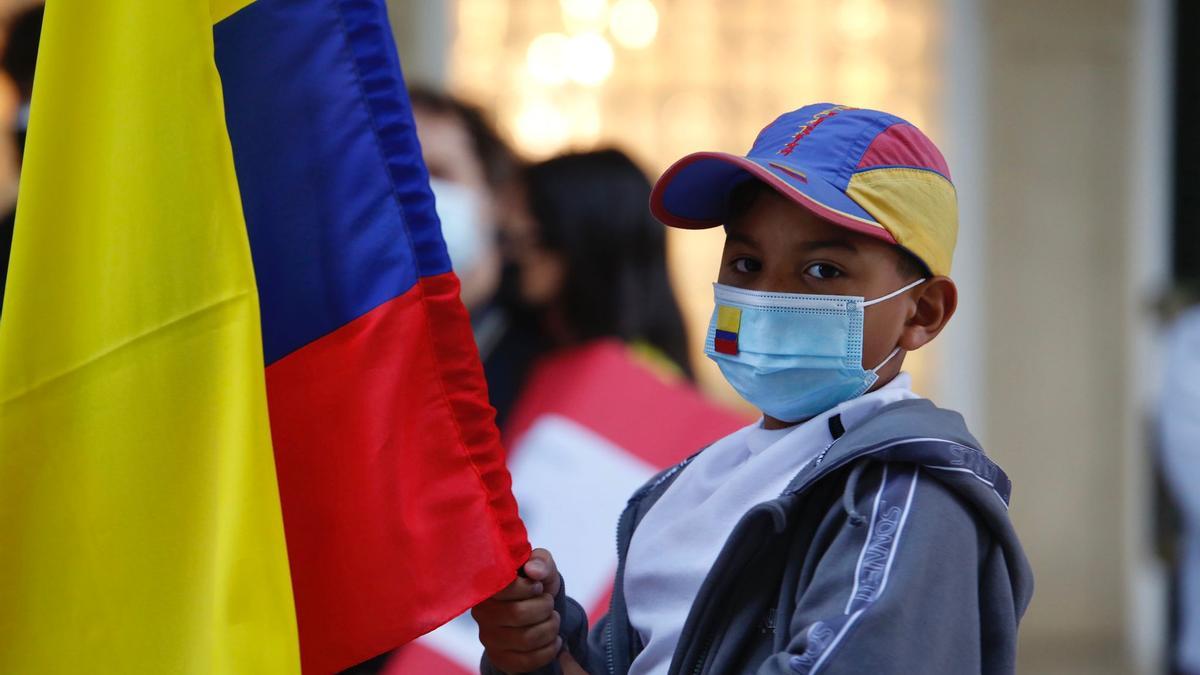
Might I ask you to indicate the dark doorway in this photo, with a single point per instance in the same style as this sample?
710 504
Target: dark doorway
1185 240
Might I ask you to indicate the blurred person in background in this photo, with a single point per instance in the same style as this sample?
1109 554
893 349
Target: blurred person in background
19 59
475 178
592 260
612 401
1180 455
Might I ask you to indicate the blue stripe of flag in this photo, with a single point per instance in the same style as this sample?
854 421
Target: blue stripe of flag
336 197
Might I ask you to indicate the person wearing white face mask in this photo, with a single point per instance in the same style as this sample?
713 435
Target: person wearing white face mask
468 233
469 169
475 178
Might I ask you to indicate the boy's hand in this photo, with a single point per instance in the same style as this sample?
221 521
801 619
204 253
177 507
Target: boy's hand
518 626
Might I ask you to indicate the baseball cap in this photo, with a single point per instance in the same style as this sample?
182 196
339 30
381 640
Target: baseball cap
865 170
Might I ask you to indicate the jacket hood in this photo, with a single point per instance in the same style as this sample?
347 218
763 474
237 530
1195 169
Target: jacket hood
918 432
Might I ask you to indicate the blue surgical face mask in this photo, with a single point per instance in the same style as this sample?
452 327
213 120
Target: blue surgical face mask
792 356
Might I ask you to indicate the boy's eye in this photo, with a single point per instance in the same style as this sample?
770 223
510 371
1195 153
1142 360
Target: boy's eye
745 265
823 271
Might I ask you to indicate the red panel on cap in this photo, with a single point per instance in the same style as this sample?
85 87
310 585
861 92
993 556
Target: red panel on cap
904 145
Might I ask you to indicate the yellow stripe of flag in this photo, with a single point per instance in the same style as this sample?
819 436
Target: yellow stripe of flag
729 319
140 528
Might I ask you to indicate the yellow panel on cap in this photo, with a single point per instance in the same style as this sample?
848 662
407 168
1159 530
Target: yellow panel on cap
918 207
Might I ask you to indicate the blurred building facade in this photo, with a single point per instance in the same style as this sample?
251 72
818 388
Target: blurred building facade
1054 119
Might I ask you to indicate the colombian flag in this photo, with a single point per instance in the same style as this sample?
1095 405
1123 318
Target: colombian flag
243 427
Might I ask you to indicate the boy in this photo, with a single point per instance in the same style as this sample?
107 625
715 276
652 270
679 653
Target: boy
857 528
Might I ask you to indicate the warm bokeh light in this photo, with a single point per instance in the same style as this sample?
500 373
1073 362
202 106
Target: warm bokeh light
862 19
863 77
633 23
547 58
661 78
584 15
586 119
541 127
589 59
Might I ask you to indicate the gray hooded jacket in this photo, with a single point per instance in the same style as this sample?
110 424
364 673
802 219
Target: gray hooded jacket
891 552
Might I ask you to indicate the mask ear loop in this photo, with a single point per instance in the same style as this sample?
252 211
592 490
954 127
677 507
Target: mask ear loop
893 294
889 296
885 361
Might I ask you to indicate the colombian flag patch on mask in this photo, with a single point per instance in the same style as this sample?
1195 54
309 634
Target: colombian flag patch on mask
729 319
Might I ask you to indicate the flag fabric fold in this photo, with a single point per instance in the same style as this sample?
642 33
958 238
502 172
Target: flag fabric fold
243 426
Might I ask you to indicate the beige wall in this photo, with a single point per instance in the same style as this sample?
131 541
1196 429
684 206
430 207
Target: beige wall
1057 393
423 32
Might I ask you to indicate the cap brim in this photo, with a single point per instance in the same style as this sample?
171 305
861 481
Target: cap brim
694 192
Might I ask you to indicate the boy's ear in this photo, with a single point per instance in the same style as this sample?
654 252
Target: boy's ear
934 303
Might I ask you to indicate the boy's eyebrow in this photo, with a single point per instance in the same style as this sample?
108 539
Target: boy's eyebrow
741 238
810 246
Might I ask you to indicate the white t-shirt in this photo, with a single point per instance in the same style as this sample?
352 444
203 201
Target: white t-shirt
678 540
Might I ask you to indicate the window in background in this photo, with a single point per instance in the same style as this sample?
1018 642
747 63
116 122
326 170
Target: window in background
662 78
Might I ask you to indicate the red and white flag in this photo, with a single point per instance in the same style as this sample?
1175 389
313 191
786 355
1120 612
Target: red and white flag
593 424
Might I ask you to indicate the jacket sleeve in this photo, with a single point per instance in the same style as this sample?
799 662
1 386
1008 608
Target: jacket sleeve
897 589
588 650
588 647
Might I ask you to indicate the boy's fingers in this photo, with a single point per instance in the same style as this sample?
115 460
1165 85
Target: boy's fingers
541 567
518 626
529 612
514 614
520 589
520 662
526 639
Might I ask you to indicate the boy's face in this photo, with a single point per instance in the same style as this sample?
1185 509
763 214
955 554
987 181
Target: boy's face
778 246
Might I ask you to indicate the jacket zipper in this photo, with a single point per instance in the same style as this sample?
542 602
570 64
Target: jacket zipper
619 587
618 583
821 457
703 656
612 666
612 603
738 531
